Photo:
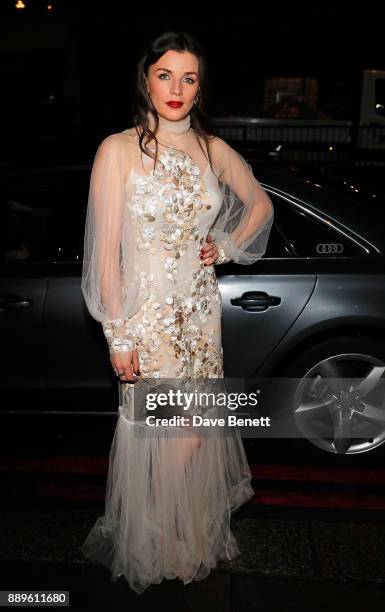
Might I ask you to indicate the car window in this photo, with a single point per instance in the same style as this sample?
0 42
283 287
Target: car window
276 246
42 217
380 97
68 219
306 236
26 212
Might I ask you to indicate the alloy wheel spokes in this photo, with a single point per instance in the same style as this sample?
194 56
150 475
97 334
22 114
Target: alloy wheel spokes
329 407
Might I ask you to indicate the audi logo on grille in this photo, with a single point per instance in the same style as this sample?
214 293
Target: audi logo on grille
329 249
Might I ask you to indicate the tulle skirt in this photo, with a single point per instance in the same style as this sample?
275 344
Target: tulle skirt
169 500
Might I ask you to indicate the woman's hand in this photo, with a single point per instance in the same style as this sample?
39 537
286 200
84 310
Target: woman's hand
126 364
209 251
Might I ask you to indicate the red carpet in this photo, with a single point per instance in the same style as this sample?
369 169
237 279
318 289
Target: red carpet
275 485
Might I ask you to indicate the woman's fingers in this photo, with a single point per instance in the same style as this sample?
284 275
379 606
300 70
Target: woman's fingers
209 253
123 365
126 373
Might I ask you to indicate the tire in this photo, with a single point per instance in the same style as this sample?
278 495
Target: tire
352 356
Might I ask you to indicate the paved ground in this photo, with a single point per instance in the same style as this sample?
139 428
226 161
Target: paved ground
313 538
290 560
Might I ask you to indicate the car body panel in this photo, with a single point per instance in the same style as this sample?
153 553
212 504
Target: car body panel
62 348
21 331
248 337
74 339
339 303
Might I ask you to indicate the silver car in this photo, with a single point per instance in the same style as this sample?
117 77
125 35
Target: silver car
313 308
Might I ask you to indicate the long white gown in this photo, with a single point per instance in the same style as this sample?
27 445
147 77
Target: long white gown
170 494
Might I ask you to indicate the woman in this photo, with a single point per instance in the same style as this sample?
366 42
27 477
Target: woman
167 202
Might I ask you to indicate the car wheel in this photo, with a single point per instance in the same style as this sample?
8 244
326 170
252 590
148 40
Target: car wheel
338 401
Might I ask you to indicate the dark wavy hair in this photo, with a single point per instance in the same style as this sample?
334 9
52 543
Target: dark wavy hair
142 104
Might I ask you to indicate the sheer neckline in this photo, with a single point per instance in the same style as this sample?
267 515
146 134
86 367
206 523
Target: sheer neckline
201 174
184 154
167 126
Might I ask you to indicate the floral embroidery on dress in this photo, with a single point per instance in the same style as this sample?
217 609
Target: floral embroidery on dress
181 202
176 330
193 342
119 333
168 330
203 288
144 208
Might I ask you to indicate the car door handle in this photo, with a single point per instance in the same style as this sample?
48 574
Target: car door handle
256 301
13 301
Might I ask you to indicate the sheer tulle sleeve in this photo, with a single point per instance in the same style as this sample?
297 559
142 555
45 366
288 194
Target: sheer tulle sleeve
109 284
242 227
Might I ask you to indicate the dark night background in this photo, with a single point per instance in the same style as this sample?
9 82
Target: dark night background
69 71
314 536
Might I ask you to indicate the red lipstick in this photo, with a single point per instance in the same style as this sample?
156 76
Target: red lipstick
175 104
